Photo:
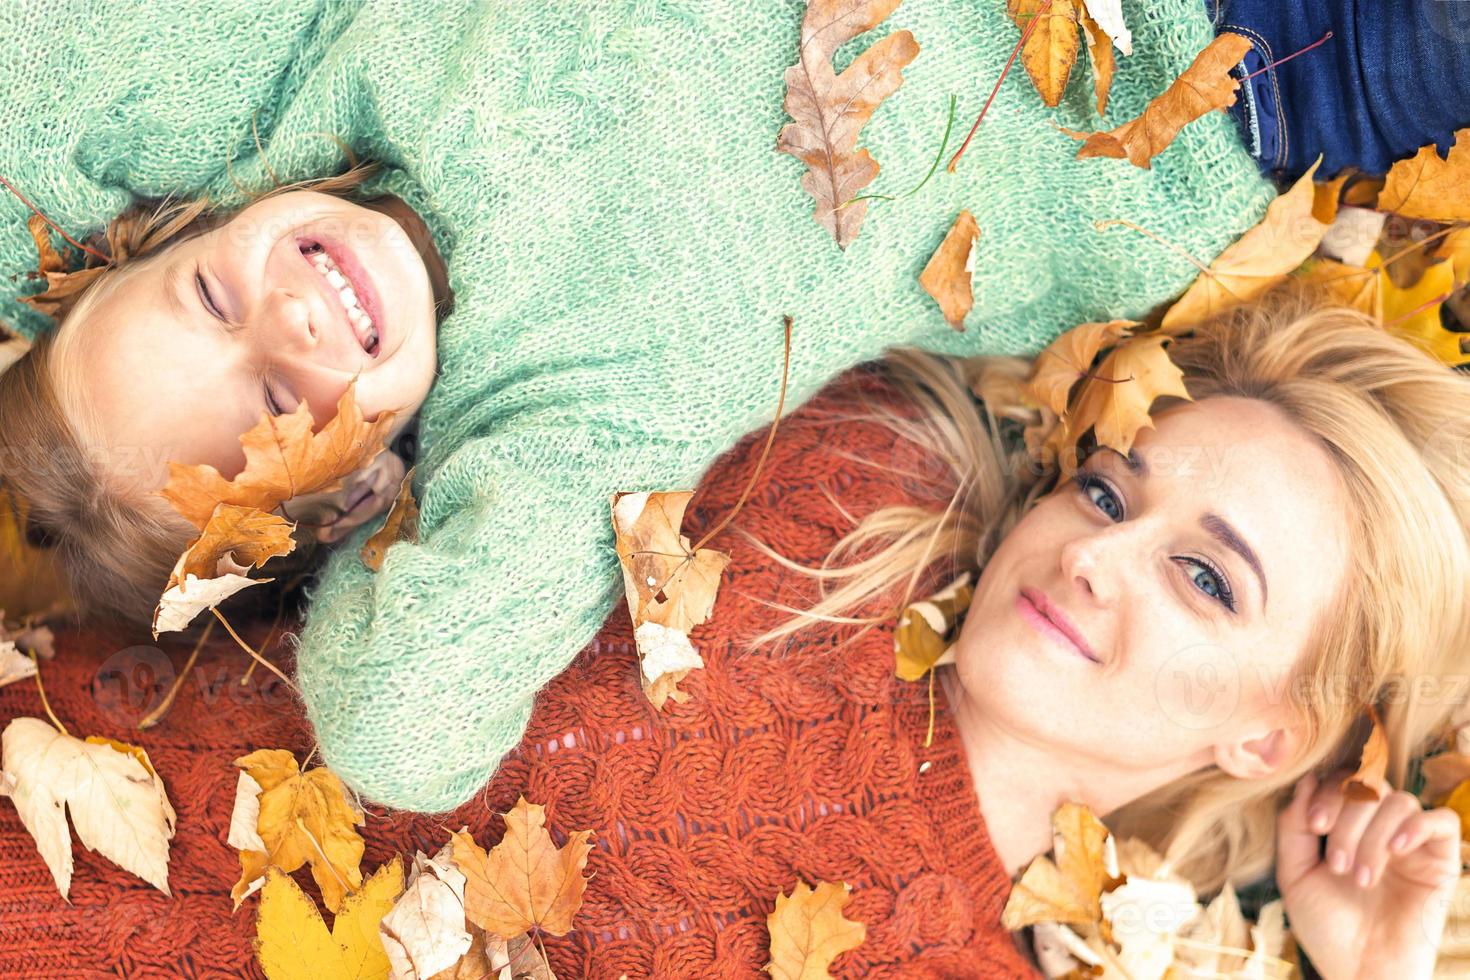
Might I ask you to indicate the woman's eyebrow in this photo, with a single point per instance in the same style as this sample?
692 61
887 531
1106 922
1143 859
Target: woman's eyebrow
1217 527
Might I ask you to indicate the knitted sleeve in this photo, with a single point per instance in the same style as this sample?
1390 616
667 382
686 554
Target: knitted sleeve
623 241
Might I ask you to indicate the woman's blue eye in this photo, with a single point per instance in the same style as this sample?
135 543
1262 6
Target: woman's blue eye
1086 481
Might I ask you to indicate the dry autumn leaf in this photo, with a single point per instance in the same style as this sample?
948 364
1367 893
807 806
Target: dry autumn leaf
1050 50
525 882
292 941
1350 286
1109 16
1115 404
1414 313
116 799
1102 60
927 629
283 459
303 817
1371 776
948 275
669 590
1430 186
1069 890
424 933
207 572
1067 358
1204 86
1286 236
401 524
808 931
63 288
830 109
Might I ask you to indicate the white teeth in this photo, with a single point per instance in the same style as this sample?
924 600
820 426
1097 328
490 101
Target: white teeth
356 315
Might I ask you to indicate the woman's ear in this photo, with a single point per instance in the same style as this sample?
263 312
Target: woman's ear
1259 752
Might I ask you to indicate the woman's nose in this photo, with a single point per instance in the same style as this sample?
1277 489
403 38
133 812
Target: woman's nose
1096 562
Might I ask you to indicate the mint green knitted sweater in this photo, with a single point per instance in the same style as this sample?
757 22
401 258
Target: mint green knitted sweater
622 240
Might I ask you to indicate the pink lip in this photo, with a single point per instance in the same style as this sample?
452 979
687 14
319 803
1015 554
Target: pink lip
361 283
1037 610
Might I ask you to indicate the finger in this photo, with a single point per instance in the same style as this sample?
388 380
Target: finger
1327 802
1347 832
1297 845
1427 847
1373 854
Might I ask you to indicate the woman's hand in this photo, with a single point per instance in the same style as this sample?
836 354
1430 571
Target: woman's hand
1388 922
365 494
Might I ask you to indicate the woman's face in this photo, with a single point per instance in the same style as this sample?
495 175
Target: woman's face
196 343
1176 675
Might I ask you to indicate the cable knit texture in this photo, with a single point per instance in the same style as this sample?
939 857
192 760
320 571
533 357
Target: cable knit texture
784 765
623 241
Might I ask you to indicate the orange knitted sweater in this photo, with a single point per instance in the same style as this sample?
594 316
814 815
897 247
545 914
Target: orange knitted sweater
802 764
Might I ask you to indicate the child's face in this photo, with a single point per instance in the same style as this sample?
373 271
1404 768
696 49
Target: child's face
193 345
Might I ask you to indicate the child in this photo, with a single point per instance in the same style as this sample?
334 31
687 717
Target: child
228 318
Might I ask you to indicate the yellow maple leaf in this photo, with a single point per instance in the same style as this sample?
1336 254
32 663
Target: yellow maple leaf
829 109
304 817
1456 248
1050 50
1414 313
292 941
1204 86
948 274
1352 286
1115 403
525 882
1428 186
1265 255
808 931
1067 358
1070 889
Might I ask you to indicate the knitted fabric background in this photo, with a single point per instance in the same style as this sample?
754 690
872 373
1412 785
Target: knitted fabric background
803 764
623 241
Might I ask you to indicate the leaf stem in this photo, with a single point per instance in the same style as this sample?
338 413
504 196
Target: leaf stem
1317 43
53 224
152 718
770 438
1100 225
1025 36
251 650
949 125
42 690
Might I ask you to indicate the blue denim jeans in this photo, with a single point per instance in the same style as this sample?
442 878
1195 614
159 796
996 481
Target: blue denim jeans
1394 76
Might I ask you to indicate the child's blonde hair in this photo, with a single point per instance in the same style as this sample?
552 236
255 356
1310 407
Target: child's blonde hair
1394 421
114 547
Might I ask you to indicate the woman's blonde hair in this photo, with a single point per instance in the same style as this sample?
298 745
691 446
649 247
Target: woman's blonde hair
115 547
1395 422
